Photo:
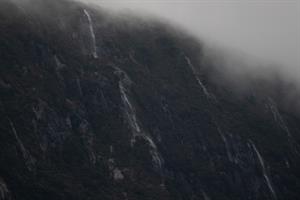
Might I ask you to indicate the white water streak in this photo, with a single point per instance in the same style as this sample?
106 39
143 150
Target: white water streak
79 86
4 192
131 117
229 155
277 116
111 149
129 110
154 152
29 160
205 196
91 28
207 94
59 65
266 177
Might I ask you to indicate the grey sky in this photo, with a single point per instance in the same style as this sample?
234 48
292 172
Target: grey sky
268 30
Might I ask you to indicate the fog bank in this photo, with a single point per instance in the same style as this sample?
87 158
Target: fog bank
267 31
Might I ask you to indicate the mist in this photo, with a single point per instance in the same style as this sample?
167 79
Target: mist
265 33
243 41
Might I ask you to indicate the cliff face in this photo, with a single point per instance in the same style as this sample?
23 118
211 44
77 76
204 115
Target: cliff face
94 106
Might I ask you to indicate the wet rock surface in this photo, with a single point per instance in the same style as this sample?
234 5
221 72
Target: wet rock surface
95 106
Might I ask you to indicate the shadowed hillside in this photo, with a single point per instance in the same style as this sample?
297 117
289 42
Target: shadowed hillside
98 106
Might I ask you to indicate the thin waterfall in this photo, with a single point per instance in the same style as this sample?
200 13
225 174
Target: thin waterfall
205 196
91 28
131 117
207 94
277 116
79 86
4 192
282 124
229 155
262 164
29 160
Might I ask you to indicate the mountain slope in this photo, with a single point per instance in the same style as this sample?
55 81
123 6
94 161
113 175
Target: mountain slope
97 106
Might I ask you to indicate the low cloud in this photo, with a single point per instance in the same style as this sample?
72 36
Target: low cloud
267 32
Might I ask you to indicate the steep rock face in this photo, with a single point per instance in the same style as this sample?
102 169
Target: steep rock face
97 107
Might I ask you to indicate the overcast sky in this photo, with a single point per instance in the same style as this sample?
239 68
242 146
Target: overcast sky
264 29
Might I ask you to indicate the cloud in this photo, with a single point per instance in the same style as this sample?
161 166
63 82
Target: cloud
267 31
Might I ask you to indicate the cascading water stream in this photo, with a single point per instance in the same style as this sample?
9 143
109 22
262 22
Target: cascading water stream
265 175
207 94
130 114
93 37
277 116
29 160
4 192
229 155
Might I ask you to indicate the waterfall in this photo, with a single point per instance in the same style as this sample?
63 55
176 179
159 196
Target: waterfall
59 66
131 117
277 116
204 89
154 152
205 196
29 160
58 63
79 86
262 164
282 124
4 192
91 28
229 155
